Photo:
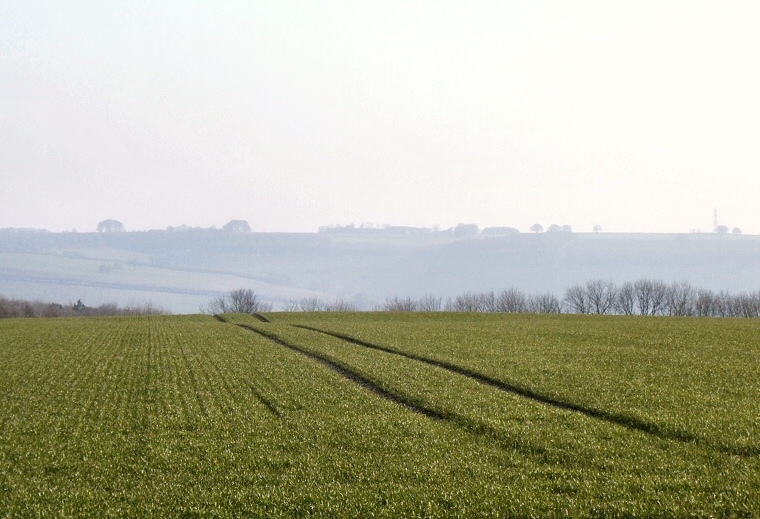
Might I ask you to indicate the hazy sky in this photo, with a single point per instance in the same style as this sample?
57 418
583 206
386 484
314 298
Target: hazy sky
638 116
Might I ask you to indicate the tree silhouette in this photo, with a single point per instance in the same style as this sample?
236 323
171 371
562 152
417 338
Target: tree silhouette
110 226
236 226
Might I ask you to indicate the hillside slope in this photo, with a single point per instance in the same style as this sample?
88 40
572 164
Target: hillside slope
182 270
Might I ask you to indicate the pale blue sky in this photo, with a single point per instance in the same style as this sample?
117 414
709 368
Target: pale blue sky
638 116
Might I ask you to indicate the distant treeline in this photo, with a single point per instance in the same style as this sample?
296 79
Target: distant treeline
21 308
314 304
653 297
246 301
642 297
460 230
507 301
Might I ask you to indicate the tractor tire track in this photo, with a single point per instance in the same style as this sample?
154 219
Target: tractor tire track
261 398
475 427
255 315
350 375
629 422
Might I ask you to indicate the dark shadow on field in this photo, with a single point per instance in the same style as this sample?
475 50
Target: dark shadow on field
498 437
351 375
629 422
255 315
267 403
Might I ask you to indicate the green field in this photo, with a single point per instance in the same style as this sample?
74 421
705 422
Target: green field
380 415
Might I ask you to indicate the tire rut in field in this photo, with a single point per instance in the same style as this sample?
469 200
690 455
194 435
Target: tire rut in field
475 427
261 398
258 316
629 422
350 375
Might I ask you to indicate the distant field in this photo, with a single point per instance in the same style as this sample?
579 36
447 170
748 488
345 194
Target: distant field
380 414
117 277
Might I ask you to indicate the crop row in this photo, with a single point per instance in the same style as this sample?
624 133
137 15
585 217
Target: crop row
186 415
191 416
121 416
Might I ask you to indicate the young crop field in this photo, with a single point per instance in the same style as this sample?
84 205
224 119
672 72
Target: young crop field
380 415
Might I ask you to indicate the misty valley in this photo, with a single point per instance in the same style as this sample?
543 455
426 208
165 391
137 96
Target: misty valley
181 269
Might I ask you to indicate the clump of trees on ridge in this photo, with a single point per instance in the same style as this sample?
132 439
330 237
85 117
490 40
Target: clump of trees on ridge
241 301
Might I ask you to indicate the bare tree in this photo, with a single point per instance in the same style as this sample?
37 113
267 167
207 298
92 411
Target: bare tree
340 305
291 305
243 300
625 299
546 303
487 302
659 296
747 304
752 307
314 304
576 299
310 304
705 303
467 302
680 299
429 303
511 301
650 296
600 295
397 304
725 306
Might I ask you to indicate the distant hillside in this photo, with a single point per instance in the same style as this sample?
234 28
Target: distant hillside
181 270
